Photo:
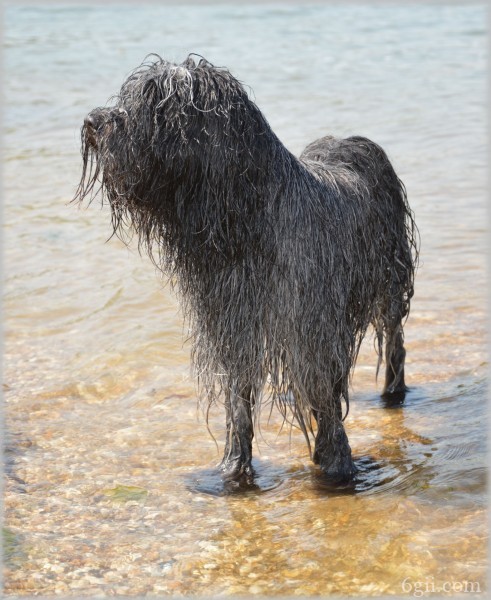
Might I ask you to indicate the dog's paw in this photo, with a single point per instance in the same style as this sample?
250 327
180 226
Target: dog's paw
238 470
338 468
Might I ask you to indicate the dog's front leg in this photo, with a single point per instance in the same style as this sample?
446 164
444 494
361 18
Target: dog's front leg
332 450
236 464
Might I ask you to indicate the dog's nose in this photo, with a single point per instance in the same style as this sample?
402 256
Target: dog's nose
91 121
95 119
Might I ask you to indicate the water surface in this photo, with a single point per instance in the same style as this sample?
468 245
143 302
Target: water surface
110 482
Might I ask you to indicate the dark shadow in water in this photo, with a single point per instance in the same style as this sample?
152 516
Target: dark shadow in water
210 481
370 474
374 477
15 449
394 400
413 395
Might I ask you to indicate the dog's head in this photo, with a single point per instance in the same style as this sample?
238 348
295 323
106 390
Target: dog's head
167 122
175 149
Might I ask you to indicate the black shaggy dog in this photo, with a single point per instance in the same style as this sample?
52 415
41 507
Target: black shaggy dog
282 263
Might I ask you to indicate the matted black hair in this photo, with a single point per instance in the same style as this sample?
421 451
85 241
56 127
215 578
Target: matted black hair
281 262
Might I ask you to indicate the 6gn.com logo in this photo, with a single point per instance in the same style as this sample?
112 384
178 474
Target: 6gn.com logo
429 586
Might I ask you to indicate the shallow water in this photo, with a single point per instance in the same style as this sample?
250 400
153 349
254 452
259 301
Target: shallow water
110 485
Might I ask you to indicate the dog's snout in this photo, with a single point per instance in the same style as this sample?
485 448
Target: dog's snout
93 121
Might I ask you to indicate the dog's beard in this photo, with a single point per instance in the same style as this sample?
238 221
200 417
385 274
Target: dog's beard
91 166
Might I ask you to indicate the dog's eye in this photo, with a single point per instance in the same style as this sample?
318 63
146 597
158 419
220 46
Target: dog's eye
119 116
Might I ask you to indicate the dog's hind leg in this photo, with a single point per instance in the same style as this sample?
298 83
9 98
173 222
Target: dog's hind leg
239 405
395 355
389 326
